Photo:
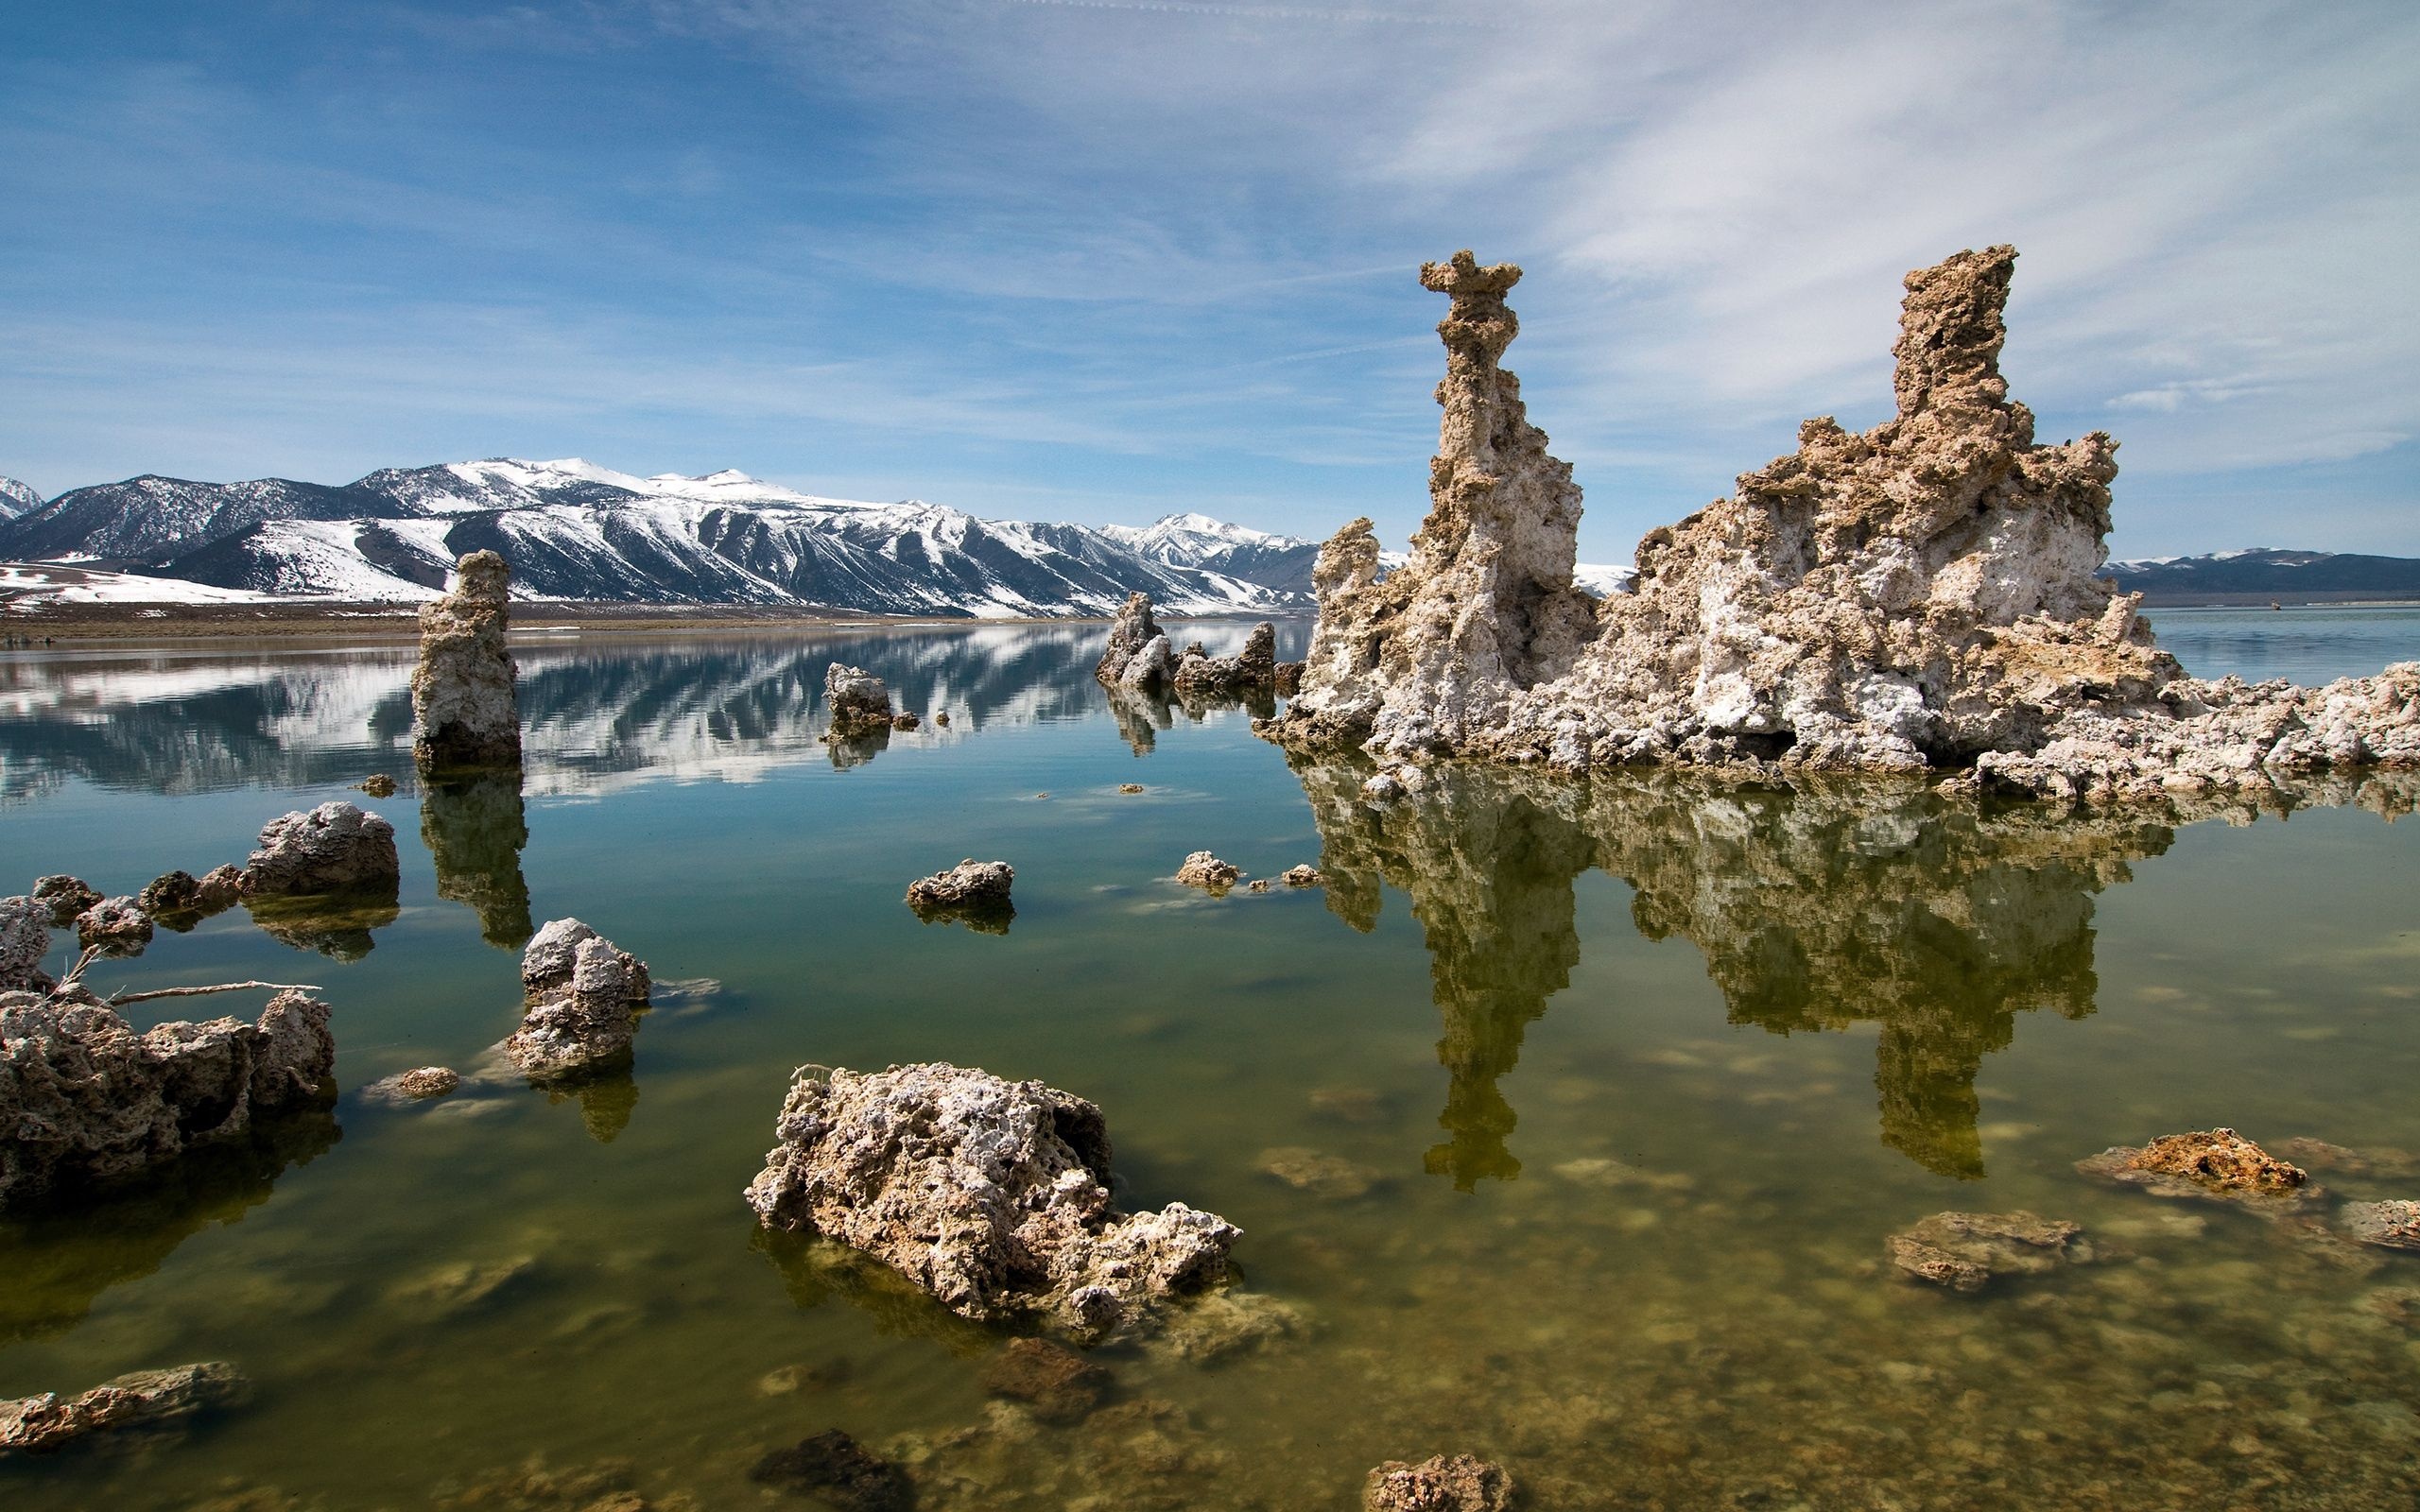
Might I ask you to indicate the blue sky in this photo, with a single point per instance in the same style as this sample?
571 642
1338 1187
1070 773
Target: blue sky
1099 260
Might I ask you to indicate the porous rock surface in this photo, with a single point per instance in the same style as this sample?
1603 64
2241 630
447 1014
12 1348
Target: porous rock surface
582 997
858 700
1207 871
1129 633
2205 1162
86 1099
1965 1251
1919 596
116 926
2388 1225
1252 669
40 1423
417 1085
970 883
1458 1483
464 712
25 939
65 897
337 847
991 1195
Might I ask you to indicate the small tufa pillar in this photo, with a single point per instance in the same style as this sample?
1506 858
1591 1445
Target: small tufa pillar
465 714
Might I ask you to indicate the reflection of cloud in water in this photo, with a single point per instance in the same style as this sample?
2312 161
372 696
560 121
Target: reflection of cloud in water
1816 908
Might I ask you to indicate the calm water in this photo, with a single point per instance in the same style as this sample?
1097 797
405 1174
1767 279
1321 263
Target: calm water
1619 1088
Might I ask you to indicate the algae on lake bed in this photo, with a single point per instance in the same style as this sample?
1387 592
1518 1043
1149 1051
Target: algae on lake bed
1633 1079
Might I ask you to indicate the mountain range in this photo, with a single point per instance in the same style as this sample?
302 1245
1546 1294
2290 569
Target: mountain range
577 531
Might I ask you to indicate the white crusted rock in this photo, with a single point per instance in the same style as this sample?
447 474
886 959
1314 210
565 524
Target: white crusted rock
465 710
858 700
337 847
1130 634
582 998
993 1195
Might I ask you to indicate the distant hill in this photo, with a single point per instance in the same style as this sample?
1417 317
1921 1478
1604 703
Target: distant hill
2263 573
17 498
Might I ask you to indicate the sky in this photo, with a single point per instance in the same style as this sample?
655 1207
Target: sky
1104 260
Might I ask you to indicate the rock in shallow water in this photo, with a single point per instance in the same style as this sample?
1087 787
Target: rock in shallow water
418 1085
24 940
858 700
84 1099
1965 1251
1055 1383
40 1423
65 897
582 997
2205 1162
993 1195
835 1469
337 847
1207 871
465 710
2388 1225
971 882
1462 1483
116 926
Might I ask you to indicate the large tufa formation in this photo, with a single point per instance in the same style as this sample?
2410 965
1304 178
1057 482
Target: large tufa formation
1921 596
1130 639
993 1195
84 1099
581 999
335 848
464 709
1252 670
861 704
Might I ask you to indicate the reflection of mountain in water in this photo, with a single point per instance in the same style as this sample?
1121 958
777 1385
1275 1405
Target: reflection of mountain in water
58 1263
598 714
1816 909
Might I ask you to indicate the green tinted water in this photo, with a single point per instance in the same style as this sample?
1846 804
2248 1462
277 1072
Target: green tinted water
1604 1098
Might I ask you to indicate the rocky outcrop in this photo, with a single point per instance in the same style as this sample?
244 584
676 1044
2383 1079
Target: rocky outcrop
859 702
115 926
1152 670
991 1195
1967 1251
2216 1162
1207 871
183 895
1253 669
1132 630
37 1424
85 1100
1460 1482
1302 876
1920 596
337 847
972 892
378 785
465 714
65 897
582 998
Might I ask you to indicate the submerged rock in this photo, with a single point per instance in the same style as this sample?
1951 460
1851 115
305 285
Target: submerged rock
148 1398
85 1100
1461 1484
2388 1225
464 711
1056 1383
582 998
1132 631
1207 871
993 1195
1321 1174
116 926
1964 1251
837 1470
1921 595
337 847
417 1085
65 897
861 704
1144 1456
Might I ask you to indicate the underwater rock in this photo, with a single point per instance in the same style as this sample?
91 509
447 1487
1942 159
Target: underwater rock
609 1485
378 785
1133 1457
1057 1384
85 1100
146 1398
1254 668
1207 871
24 940
1322 1176
2388 1225
835 1469
464 712
1461 1484
582 997
1225 1322
1964 1251
116 926
1304 875
337 847
991 1195
461 1285
968 882
1920 596
859 702
1129 633
415 1085
65 897
2320 1155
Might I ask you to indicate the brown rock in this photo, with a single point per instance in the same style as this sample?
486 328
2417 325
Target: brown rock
465 710
1059 1384
1964 1251
178 892
2219 1158
858 698
1461 1484
1130 787
2388 1225
40 1423
65 897
1302 876
832 1468
337 847
417 1085
378 785
904 720
1128 633
1207 871
582 997
117 926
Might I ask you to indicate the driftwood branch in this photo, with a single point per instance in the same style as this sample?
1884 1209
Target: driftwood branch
201 992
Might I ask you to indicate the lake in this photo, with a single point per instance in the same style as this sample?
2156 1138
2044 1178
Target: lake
1566 1123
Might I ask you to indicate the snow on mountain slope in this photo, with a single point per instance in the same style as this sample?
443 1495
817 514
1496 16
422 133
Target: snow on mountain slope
17 498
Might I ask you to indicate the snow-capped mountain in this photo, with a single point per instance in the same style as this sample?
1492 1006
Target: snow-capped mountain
17 498
574 530
2263 572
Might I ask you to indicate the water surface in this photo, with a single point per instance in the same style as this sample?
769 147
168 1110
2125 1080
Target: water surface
1565 1125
